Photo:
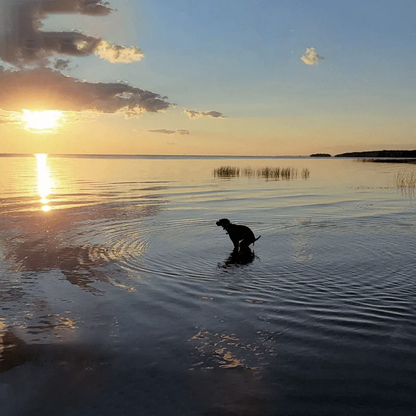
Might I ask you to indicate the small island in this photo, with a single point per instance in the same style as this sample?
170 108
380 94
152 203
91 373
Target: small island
320 155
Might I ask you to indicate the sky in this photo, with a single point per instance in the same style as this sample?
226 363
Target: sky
214 77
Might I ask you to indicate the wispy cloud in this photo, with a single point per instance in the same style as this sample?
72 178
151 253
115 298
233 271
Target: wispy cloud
198 114
45 89
10 117
166 131
311 57
24 43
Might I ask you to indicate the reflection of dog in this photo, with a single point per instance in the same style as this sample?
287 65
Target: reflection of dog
239 234
238 258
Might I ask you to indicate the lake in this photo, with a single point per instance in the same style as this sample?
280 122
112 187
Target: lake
119 295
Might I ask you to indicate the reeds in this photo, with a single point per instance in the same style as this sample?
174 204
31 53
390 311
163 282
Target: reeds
248 172
227 172
305 173
267 173
406 179
277 173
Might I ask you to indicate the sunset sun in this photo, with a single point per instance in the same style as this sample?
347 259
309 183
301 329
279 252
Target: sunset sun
41 121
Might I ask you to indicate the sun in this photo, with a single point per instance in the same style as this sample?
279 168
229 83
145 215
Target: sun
41 121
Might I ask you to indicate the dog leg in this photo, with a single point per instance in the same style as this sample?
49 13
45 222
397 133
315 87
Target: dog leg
235 242
244 245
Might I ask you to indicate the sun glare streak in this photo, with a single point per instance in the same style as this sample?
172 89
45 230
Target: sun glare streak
41 121
45 182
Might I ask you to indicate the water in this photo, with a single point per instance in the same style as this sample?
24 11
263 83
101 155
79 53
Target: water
120 296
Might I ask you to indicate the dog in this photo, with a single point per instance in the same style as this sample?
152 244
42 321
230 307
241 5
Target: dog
240 235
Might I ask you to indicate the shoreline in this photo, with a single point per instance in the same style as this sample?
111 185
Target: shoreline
398 160
391 154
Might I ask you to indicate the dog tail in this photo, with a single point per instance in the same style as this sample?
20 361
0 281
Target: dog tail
256 239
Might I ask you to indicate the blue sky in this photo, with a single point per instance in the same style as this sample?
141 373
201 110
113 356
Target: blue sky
242 58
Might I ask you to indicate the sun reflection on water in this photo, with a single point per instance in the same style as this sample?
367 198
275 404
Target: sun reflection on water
45 183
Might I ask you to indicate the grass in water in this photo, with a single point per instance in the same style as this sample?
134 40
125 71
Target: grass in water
305 173
277 173
406 179
227 172
248 172
267 173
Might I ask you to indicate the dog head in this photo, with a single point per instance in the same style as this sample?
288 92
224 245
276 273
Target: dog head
224 223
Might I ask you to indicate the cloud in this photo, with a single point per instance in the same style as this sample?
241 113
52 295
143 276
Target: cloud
32 58
166 131
62 64
311 57
45 89
23 43
199 114
10 117
29 82
118 54
88 7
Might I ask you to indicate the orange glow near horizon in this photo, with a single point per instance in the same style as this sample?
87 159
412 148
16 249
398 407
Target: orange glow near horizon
41 121
45 182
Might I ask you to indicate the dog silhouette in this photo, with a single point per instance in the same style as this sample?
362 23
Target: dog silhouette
240 235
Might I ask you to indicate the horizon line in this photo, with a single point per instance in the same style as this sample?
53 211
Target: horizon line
144 155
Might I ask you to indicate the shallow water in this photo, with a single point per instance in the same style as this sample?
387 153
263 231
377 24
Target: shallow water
120 296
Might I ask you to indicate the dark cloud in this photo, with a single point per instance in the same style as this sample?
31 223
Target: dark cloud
166 131
199 114
45 89
88 7
22 42
62 64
